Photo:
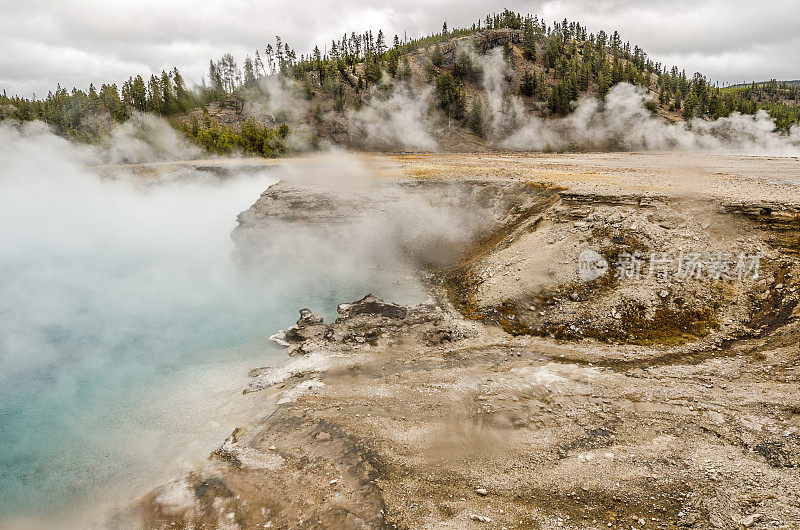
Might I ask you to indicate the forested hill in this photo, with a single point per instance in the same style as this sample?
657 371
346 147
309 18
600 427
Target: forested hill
467 87
772 84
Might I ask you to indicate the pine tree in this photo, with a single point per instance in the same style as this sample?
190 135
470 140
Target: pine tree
139 94
449 95
249 72
258 64
168 103
269 52
317 57
528 85
690 108
529 41
604 82
154 101
182 96
436 57
381 43
478 118
405 69
215 80
392 61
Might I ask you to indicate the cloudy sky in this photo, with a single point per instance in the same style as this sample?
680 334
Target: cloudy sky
76 42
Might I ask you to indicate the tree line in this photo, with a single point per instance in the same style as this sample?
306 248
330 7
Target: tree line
558 62
74 114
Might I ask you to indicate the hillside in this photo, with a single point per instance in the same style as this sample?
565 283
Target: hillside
789 83
459 93
482 87
780 98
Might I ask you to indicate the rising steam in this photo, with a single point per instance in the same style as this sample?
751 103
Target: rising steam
127 329
336 209
146 138
398 123
401 116
622 122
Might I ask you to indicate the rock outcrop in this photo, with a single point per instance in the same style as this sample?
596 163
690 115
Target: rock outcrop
366 321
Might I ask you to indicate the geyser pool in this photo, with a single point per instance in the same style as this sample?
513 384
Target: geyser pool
126 326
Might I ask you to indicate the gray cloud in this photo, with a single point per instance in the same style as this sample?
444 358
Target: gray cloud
75 42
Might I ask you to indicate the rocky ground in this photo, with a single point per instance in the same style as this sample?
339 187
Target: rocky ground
524 395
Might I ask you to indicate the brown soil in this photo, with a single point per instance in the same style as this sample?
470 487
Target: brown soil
684 411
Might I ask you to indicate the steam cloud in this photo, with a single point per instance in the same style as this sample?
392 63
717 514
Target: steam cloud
624 123
399 117
108 286
505 108
146 138
111 286
138 254
332 208
397 123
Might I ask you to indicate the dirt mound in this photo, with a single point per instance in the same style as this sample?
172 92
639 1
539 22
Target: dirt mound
673 271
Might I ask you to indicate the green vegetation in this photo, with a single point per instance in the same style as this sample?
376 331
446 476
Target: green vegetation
449 96
85 116
555 65
251 138
528 85
564 60
780 99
